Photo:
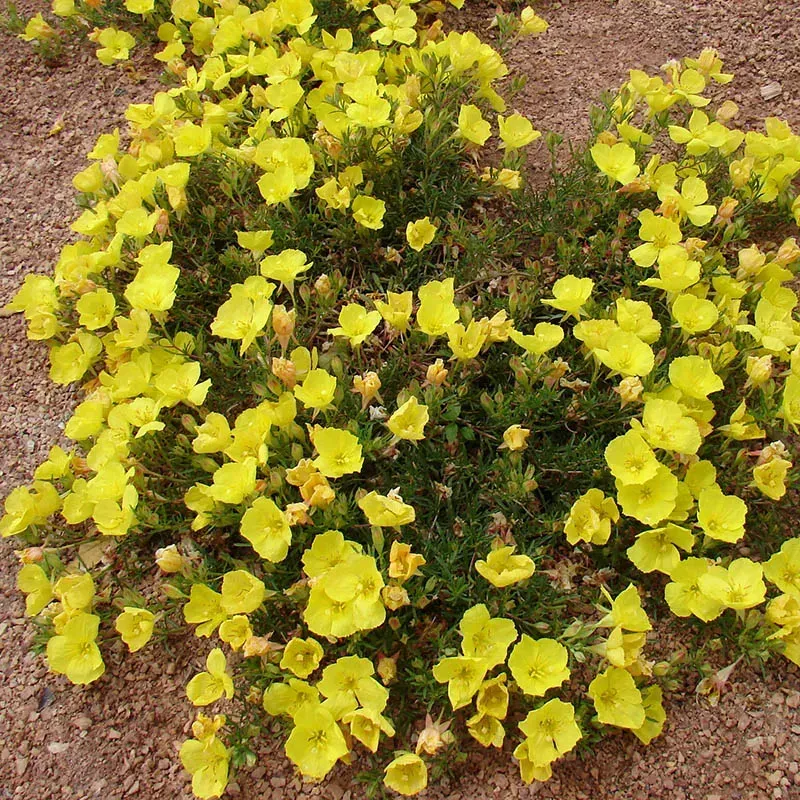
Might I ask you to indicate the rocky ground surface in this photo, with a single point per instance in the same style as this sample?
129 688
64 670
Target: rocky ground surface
118 738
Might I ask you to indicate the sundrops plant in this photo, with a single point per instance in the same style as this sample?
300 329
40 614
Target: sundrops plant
419 451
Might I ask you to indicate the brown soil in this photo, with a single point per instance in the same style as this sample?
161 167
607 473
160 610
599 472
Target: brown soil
118 738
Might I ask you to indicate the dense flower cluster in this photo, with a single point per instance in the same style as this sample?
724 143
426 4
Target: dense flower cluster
288 401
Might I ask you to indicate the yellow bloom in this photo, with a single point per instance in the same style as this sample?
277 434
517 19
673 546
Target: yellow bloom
409 421
626 612
631 459
466 343
658 233
531 24
770 477
590 518
265 526
783 568
285 267
502 568
655 716
538 665
420 233
516 131
436 312
627 354
74 651
694 376
204 609
236 631
116 45
241 592
515 438
618 161
351 676
472 126
207 761
153 288
650 501
685 596
302 656
339 452
397 311
207 687
386 511
317 390
368 212
397 25
463 676
740 586
657 549
693 314
316 743
721 516
486 729
406 774
570 293
484 637
551 730
366 725
356 323
34 583
404 564
617 700
135 626
233 482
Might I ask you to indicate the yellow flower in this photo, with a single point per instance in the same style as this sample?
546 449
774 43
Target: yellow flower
694 376
626 612
153 288
397 25
721 516
783 568
484 637
302 656
96 309
236 631
657 549
693 314
74 651
356 323
409 421
339 452
406 774
472 126
368 386
627 354
233 482
265 526
204 609
466 343
570 293
531 24
770 477
515 438
34 583
397 311
463 676
516 131
684 594
502 568
316 743
285 267
658 233
436 312
368 212
420 233
135 626
630 459
652 500
351 677
486 729
618 161
317 390
403 564
617 700
590 518
655 716
740 586
551 730
386 511
207 687
493 697
207 762
366 725
116 45
545 337
241 592
538 665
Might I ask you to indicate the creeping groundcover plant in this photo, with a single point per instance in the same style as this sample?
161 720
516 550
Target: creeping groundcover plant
411 454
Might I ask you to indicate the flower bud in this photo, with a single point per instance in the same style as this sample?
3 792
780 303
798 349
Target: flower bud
284 370
630 390
515 438
283 323
394 597
169 560
758 369
436 374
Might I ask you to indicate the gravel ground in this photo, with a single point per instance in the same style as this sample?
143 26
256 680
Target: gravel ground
118 737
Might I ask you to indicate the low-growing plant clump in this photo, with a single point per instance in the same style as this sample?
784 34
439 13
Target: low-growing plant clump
422 451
